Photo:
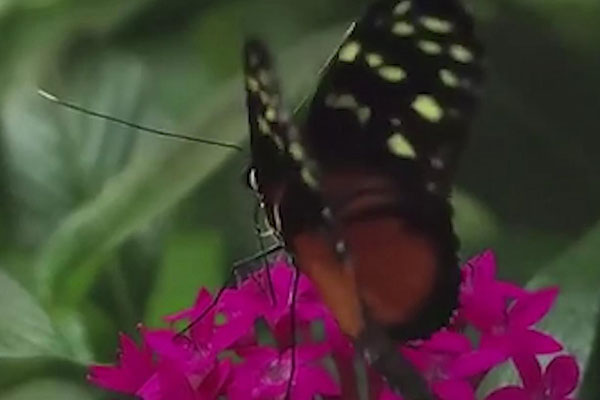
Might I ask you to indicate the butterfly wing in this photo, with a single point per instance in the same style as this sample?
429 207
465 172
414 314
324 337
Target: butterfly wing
400 92
385 127
379 147
271 165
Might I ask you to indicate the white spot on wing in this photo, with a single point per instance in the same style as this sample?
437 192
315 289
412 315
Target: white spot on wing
461 54
348 102
402 7
263 126
392 73
430 47
270 114
340 247
252 84
264 77
401 147
449 78
437 162
431 187
363 114
403 29
278 141
297 151
308 177
264 97
437 25
428 107
342 101
349 52
374 60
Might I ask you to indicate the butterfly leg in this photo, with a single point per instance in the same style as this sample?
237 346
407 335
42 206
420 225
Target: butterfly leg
236 274
261 246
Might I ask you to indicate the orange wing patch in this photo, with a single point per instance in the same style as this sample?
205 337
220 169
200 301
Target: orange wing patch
395 268
335 282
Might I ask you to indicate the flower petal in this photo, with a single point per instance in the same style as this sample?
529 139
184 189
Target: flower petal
509 393
151 389
529 309
531 341
135 367
315 380
453 390
446 341
484 266
530 371
510 290
484 308
475 362
311 352
173 383
112 378
213 383
561 377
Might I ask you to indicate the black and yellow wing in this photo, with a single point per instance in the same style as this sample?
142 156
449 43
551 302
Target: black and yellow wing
400 92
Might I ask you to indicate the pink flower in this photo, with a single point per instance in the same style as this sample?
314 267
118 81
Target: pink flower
483 299
556 383
236 319
170 382
447 360
502 312
512 332
134 368
220 354
265 374
252 297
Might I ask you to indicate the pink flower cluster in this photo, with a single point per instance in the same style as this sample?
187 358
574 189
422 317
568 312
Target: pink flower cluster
227 353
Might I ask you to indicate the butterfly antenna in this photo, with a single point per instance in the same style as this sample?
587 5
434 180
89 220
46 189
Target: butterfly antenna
73 106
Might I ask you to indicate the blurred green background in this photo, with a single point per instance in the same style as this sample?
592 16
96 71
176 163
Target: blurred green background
102 227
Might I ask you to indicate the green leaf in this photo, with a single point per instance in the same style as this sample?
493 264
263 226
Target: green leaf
534 131
523 251
192 260
60 159
48 389
475 224
577 272
35 31
25 329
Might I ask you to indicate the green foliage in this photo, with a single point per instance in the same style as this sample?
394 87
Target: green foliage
48 389
25 329
103 227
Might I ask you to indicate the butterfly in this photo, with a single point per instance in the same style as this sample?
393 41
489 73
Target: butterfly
358 190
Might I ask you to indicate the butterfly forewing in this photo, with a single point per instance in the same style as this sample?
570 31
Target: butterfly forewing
280 166
401 90
269 124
